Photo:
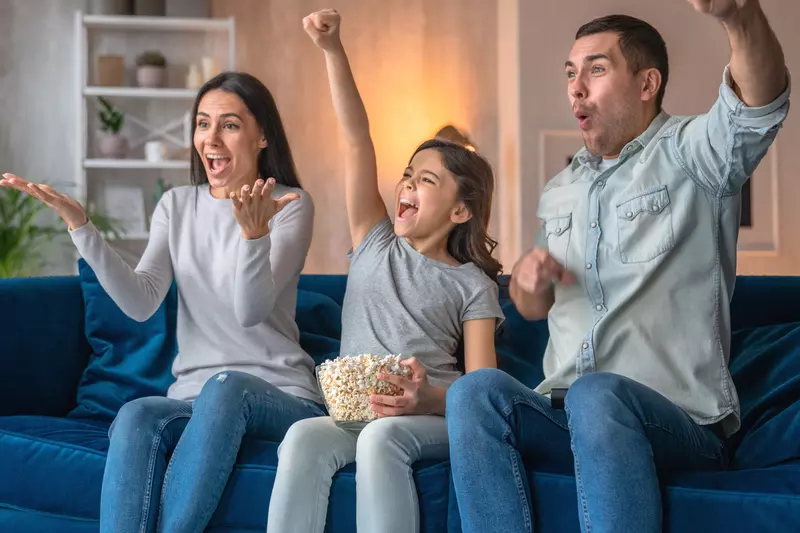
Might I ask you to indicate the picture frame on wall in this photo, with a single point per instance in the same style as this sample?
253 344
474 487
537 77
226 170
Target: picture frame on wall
126 203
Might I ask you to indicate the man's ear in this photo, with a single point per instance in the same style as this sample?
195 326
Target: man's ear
651 84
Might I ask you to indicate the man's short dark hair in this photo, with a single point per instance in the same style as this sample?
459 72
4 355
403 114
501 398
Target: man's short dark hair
641 44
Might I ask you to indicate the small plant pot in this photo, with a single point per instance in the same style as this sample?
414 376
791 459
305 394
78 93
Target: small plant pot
113 146
151 76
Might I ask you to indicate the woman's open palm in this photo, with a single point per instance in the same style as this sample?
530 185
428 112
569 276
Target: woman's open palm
67 208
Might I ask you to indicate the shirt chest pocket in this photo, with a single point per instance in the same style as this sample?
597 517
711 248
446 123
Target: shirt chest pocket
644 227
557 230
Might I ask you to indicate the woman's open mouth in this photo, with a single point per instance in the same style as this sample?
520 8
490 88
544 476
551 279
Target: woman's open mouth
217 163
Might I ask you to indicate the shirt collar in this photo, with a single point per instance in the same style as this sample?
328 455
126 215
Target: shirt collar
584 157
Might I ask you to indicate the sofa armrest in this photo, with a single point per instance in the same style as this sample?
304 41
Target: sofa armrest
43 352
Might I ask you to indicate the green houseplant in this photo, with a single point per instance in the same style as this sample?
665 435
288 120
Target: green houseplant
151 69
22 235
112 143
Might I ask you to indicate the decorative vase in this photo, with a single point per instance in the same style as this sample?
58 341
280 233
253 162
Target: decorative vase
113 146
151 76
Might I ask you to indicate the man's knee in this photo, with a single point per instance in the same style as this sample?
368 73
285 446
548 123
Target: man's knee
472 391
595 398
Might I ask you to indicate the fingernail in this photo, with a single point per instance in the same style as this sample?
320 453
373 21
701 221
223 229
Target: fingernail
260 183
272 181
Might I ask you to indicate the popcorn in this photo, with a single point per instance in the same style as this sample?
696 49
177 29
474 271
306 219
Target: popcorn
348 381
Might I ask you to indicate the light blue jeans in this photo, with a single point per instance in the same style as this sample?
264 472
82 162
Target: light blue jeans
615 434
145 489
384 451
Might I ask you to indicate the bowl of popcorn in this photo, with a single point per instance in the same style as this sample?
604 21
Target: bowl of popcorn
348 381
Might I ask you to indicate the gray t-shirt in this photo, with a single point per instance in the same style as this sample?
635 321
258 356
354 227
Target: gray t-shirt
400 302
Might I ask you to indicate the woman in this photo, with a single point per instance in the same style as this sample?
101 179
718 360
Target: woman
235 243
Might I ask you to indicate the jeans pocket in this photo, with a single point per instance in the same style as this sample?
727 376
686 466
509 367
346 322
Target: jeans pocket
644 226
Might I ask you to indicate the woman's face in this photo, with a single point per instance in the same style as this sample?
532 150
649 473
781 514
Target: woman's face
228 140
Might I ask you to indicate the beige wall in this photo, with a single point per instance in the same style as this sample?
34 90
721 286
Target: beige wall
419 64
699 51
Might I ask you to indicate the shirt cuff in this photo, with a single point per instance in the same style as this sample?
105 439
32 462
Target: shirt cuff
769 113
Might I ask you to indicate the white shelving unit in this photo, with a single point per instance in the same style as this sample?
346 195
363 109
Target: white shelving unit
131 35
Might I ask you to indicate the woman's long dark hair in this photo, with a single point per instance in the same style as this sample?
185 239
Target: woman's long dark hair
470 242
275 160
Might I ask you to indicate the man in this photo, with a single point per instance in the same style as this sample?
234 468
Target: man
634 269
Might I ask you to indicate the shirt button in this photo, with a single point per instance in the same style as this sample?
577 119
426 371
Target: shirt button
599 307
655 207
588 266
601 184
629 214
585 345
594 224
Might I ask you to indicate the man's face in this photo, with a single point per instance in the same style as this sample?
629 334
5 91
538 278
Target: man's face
606 96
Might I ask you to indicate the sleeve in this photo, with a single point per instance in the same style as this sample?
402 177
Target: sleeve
265 267
721 149
378 238
485 304
137 292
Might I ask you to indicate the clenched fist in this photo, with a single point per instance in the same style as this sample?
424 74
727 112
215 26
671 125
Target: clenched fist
721 9
323 28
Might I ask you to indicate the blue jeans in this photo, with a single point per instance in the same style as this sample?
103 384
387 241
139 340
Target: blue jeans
615 434
145 489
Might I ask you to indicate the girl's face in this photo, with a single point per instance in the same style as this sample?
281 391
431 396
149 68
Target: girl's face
426 199
228 139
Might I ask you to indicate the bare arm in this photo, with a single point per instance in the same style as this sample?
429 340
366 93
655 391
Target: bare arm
365 207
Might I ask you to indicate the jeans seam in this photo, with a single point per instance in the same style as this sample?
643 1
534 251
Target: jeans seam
506 412
151 468
578 479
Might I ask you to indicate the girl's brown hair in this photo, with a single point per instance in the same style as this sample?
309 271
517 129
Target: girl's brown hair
470 242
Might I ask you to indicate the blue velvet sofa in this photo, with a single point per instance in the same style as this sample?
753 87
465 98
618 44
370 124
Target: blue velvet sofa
70 359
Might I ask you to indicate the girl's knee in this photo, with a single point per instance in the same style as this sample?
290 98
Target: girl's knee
306 441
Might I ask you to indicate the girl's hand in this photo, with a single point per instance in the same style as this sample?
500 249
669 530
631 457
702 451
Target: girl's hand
323 28
254 209
68 209
419 397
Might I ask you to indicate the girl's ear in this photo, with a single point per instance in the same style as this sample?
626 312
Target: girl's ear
460 214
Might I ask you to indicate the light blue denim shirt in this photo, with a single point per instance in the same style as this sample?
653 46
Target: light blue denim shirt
652 241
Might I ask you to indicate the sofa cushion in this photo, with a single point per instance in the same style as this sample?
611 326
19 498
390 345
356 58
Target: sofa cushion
758 500
766 371
55 466
319 319
52 465
520 346
130 360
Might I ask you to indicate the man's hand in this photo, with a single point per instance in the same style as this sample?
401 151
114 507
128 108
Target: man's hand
537 271
532 282
722 9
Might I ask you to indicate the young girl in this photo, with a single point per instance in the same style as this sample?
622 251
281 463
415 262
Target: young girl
417 286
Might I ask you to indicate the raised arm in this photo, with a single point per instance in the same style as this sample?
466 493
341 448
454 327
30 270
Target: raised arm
365 207
137 292
721 149
758 68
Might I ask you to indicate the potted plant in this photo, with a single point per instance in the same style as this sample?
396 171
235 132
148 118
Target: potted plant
151 69
22 234
112 143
